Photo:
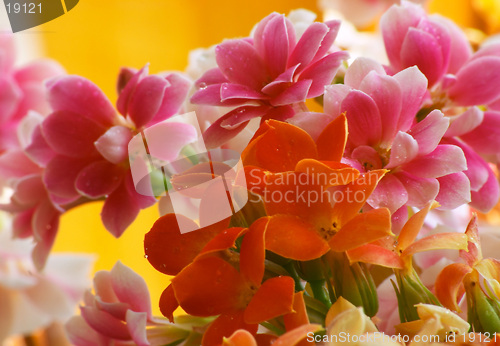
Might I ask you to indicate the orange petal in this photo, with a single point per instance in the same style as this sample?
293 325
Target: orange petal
298 316
168 250
168 303
375 254
224 326
452 241
412 227
253 253
294 337
210 286
240 337
222 241
292 237
274 298
449 284
473 253
355 195
279 148
328 173
331 142
364 228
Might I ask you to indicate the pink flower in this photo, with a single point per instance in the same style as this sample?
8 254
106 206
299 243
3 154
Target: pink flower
79 152
384 133
269 75
119 310
21 90
457 79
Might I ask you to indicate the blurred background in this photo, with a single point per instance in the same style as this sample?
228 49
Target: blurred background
98 37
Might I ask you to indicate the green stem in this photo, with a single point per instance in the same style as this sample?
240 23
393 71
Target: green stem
319 292
290 267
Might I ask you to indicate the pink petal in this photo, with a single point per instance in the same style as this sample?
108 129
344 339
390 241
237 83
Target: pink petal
275 43
212 76
119 211
79 95
281 82
125 75
485 138
173 97
420 190
70 134
104 323
389 193
230 91
240 63
7 52
30 190
38 150
99 179
454 190
281 113
395 24
363 118
60 176
477 168
240 115
413 86
308 45
423 49
10 96
38 71
112 145
126 92
478 82
297 92
80 333
45 223
146 99
15 164
459 44
404 149
428 132
209 95
359 69
326 44
487 197
322 72
333 98
386 93
136 324
444 160
103 287
466 122
131 288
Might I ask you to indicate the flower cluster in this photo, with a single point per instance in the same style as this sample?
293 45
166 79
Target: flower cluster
287 240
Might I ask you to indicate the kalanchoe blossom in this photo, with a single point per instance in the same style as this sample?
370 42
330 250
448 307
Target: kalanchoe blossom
459 81
384 134
80 151
269 75
31 300
21 90
119 313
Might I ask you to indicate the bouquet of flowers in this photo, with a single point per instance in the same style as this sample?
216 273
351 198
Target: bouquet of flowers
308 193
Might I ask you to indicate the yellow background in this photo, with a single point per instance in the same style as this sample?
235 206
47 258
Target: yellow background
97 37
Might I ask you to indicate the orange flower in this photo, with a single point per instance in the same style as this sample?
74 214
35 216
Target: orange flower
312 200
222 282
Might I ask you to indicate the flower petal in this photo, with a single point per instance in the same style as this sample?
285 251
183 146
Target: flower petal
332 140
136 324
449 286
112 145
241 64
99 179
364 228
224 326
375 254
146 100
275 44
291 237
253 252
390 193
429 131
454 190
274 298
404 149
478 82
131 288
104 323
420 190
363 118
78 95
484 138
445 159
119 211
